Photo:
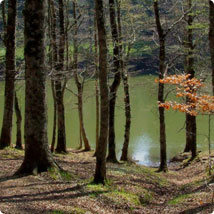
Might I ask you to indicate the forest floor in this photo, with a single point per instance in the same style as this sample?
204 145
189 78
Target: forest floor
131 189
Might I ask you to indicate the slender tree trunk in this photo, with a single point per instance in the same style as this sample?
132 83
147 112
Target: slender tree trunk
18 124
53 141
100 172
38 157
78 83
96 86
162 68
54 57
4 22
211 43
61 138
6 131
116 82
80 134
211 40
190 120
124 74
66 34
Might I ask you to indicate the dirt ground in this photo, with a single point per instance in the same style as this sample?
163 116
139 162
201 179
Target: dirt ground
131 189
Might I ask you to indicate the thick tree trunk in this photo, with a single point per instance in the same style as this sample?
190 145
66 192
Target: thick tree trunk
190 120
6 131
79 85
18 124
38 157
162 68
116 82
100 172
61 138
211 40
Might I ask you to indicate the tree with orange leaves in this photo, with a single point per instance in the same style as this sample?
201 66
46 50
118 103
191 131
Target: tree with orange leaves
188 88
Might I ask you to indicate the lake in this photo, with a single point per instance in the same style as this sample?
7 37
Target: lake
144 138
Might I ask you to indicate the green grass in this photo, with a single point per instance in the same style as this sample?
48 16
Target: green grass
19 52
57 212
120 195
146 198
74 210
149 173
57 174
179 199
138 48
11 153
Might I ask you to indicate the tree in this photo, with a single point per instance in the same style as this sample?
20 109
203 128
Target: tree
37 157
4 20
5 139
79 84
124 74
96 84
53 63
100 172
211 39
18 123
186 87
59 87
162 70
116 81
189 62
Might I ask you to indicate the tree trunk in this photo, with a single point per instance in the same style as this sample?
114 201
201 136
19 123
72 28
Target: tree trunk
38 157
53 141
61 138
100 172
96 85
211 40
116 82
79 85
6 131
18 124
124 74
190 120
54 61
162 68
4 20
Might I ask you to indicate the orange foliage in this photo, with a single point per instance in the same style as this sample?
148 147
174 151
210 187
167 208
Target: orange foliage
188 88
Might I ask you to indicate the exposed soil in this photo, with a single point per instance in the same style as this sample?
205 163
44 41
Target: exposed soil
131 188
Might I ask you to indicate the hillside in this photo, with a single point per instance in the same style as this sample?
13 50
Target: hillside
139 30
131 189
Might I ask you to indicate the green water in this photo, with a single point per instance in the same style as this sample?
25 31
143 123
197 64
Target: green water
144 141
